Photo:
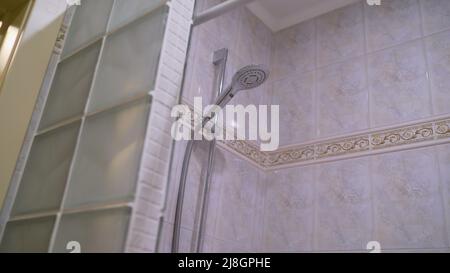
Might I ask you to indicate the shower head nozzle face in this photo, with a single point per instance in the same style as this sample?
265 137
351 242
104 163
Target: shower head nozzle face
250 77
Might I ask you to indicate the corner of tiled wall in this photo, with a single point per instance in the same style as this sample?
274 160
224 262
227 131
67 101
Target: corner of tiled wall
395 73
355 69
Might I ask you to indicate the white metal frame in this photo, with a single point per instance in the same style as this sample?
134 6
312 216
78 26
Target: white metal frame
33 130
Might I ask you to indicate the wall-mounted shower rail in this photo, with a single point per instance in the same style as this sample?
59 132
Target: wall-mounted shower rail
220 60
218 10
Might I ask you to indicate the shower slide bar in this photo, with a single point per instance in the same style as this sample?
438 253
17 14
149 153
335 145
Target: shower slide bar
220 61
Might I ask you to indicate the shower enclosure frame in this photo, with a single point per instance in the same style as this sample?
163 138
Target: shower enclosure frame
146 209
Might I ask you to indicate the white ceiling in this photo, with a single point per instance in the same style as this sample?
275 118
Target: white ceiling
280 14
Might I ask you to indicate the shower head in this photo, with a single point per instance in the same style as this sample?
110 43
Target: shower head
248 77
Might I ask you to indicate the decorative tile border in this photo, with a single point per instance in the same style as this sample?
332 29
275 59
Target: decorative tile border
300 154
402 136
248 150
442 128
344 146
372 141
420 134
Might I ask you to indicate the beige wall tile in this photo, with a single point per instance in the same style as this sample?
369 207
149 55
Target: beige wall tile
340 34
294 50
295 96
438 50
238 199
342 98
343 228
398 85
343 183
436 15
289 206
343 205
386 24
408 205
444 171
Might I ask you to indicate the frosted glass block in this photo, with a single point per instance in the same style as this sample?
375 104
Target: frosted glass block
46 171
108 159
129 62
125 10
71 85
28 235
96 231
89 22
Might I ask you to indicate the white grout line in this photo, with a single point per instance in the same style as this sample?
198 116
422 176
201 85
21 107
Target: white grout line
374 52
366 67
316 134
316 82
370 121
314 243
373 201
425 55
316 98
263 213
444 194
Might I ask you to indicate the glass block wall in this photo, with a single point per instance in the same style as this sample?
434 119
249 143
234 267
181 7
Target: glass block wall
81 174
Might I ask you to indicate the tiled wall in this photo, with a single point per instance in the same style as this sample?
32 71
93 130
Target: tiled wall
399 199
362 67
353 69
357 68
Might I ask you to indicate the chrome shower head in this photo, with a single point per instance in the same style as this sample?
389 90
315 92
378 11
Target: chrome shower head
249 77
